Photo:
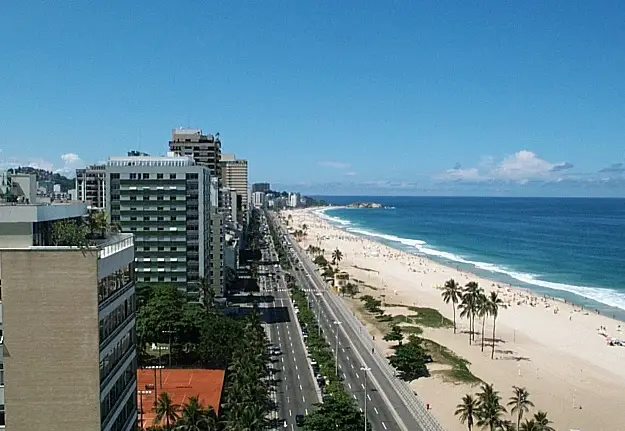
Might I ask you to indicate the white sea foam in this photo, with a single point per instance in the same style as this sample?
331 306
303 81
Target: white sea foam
609 297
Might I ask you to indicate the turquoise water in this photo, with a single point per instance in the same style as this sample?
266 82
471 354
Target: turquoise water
570 248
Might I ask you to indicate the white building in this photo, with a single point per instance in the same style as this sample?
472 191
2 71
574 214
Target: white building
293 200
258 199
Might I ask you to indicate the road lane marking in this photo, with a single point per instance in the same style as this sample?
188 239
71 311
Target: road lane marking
368 396
290 413
384 425
354 395
376 411
357 376
350 385
362 386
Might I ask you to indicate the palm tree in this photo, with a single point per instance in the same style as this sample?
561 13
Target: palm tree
98 221
467 410
506 425
468 305
166 409
520 403
494 304
490 408
193 416
529 425
451 293
542 421
337 256
482 309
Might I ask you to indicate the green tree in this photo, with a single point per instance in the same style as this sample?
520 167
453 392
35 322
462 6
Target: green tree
351 289
467 410
194 417
468 305
70 233
529 425
519 403
162 312
337 256
494 304
207 295
452 293
98 222
166 410
410 359
395 334
482 309
543 423
336 413
490 409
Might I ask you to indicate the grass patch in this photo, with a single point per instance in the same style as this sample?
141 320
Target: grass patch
411 329
429 317
459 366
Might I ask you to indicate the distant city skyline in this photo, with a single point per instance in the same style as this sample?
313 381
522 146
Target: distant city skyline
371 99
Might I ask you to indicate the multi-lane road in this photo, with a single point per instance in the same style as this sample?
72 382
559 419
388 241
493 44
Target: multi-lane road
296 389
391 405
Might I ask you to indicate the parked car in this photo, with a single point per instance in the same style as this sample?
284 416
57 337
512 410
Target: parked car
299 420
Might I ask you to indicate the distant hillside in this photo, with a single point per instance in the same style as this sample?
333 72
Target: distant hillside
43 175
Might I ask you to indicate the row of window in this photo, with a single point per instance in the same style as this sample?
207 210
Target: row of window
130 409
112 321
160 248
162 228
109 403
110 361
163 279
158 218
110 284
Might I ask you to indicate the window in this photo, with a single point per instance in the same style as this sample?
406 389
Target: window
174 279
172 176
161 248
133 176
159 176
133 218
146 218
159 198
161 228
133 229
133 208
172 198
160 218
160 209
173 218
133 198
161 278
146 228
146 248
146 176
146 278
174 249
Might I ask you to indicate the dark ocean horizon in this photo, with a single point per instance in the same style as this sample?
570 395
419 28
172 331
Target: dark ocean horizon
573 248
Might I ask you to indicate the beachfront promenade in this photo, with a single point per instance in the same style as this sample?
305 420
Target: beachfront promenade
392 398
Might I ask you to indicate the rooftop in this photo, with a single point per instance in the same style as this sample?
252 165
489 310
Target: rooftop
180 384
111 244
169 160
38 212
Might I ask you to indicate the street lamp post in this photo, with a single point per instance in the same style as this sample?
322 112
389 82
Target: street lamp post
160 372
336 353
141 394
365 369
168 332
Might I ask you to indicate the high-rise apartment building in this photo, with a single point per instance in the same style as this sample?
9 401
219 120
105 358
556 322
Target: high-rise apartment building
234 177
261 187
68 353
91 186
165 202
204 149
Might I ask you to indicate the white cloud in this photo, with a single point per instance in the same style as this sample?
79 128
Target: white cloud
350 174
70 158
520 167
335 165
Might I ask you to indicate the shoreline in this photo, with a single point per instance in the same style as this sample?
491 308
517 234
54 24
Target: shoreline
550 347
555 294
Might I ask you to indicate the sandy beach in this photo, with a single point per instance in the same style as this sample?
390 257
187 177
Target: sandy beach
556 350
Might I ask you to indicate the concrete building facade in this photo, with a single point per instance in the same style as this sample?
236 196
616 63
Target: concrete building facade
234 177
91 186
204 149
68 335
165 202
261 187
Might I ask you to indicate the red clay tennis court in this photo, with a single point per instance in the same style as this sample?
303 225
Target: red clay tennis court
180 385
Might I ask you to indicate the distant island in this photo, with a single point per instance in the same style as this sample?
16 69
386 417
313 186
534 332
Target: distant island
365 205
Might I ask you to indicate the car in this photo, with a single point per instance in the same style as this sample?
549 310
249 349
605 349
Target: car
299 420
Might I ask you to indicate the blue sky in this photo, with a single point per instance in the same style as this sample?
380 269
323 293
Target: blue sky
397 97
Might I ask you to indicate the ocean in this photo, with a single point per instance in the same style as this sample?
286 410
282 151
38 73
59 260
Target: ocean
572 248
